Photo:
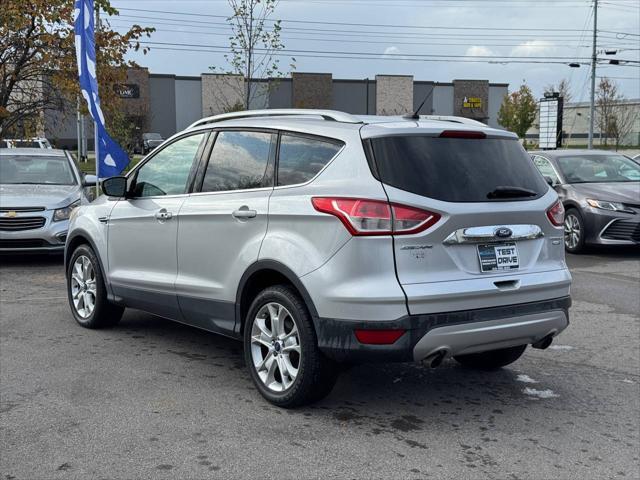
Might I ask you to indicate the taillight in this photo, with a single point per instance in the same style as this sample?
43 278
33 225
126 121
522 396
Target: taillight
556 214
376 217
462 134
378 337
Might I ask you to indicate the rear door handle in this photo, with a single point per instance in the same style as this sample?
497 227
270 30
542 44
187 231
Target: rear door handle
244 212
163 215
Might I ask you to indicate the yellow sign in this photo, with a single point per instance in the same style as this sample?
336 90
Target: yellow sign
11 214
472 102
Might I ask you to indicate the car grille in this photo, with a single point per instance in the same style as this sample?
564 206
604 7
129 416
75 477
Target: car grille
26 243
17 224
623 230
21 209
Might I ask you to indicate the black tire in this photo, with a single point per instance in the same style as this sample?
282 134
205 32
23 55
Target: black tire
493 359
105 314
316 374
574 215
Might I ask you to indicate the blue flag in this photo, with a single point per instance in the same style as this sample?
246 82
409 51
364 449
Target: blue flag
112 159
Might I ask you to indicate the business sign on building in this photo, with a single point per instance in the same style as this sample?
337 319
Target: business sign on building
127 90
550 136
471 102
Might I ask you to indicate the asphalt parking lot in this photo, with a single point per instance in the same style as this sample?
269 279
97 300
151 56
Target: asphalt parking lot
155 399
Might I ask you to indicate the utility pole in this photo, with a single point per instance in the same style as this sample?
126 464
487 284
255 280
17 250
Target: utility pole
250 59
592 105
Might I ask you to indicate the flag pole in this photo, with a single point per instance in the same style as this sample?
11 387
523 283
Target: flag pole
96 143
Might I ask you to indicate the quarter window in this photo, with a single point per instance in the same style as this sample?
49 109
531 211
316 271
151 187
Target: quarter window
546 169
301 158
240 161
167 172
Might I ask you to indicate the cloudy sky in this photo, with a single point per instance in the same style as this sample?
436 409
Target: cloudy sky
507 41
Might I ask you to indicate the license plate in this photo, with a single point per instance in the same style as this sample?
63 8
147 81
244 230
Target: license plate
498 256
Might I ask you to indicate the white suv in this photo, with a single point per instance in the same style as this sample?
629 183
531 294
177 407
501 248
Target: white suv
317 237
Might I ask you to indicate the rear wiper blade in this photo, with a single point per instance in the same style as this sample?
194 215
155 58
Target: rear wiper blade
511 192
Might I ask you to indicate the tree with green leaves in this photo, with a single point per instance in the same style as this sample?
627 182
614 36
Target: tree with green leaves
254 45
38 69
518 111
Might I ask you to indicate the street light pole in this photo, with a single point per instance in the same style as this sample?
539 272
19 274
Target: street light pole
592 106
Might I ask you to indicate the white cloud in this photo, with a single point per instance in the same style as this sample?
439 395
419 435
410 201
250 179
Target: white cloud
478 51
391 51
533 48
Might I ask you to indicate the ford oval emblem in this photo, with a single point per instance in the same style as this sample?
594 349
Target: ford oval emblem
503 232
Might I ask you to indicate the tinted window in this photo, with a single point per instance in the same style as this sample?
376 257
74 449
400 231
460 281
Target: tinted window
239 161
31 169
545 168
455 169
301 158
167 172
599 168
27 144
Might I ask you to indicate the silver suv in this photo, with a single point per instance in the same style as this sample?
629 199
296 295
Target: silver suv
318 237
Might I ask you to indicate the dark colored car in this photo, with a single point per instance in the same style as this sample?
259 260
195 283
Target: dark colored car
601 194
151 141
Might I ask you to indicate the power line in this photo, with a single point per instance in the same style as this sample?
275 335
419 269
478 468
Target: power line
386 58
432 55
379 25
370 33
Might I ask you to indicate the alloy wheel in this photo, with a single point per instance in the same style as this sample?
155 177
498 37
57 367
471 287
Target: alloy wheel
83 286
572 231
275 347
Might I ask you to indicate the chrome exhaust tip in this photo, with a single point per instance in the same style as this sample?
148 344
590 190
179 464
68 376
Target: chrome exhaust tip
544 343
435 359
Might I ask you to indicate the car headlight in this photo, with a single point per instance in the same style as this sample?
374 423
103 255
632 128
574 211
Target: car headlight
64 213
613 206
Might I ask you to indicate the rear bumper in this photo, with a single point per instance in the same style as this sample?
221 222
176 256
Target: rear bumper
461 332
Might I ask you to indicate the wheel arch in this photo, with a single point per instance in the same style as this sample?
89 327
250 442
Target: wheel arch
263 274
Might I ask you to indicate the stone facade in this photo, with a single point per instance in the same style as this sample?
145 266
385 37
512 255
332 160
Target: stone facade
221 93
312 90
138 106
394 94
471 99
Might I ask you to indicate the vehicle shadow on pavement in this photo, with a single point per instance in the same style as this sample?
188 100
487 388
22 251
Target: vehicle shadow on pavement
31 260
610 252
450 392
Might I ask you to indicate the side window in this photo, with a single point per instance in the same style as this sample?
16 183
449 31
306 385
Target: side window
167 172
301 158
240 161
545 168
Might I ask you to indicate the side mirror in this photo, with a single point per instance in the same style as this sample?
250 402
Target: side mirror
549 180
115 186
89 181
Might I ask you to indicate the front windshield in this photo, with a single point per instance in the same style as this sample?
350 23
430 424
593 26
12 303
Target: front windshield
33 169
604 168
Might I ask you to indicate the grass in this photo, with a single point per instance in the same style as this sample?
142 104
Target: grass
90 165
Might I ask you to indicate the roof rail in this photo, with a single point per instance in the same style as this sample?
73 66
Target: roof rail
450 118
332 115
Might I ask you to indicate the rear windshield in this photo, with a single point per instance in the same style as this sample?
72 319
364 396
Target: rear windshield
458 169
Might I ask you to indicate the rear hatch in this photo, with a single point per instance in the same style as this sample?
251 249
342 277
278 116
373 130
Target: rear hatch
494 243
